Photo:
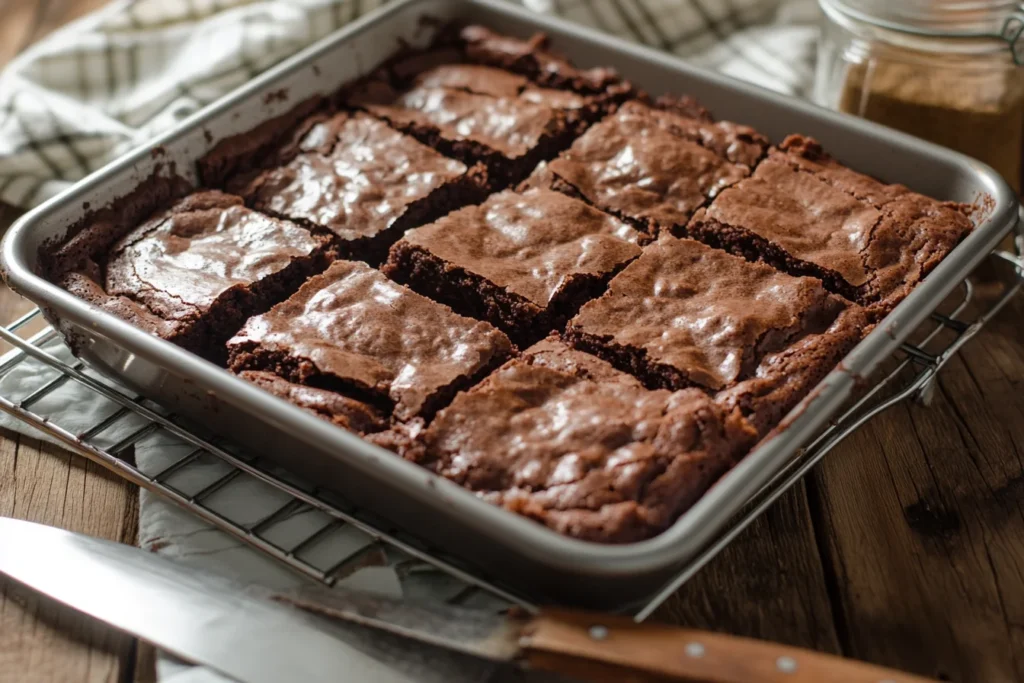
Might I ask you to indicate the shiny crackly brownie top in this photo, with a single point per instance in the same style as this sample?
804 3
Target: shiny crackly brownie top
356 177
351 324
530 243
182 260
657 166
705 314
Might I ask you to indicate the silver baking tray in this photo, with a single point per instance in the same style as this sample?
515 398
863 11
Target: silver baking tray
496 542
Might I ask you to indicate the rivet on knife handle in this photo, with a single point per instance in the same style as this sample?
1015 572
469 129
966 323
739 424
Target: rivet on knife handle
603 648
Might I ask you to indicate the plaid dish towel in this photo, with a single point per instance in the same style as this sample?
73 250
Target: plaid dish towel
108 83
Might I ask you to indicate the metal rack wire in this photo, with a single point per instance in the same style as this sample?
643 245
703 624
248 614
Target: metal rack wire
356 538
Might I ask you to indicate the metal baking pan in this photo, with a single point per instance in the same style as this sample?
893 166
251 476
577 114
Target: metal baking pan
495 542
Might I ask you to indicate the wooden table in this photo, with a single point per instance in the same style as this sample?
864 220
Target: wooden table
905 547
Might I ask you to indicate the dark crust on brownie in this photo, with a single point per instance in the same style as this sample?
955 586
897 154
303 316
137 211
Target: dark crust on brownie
347 413
300 371
262 145
91 237
467 293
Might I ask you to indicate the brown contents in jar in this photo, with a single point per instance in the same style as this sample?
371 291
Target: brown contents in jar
979 112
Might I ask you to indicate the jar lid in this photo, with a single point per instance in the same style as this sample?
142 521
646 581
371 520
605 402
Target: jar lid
996 19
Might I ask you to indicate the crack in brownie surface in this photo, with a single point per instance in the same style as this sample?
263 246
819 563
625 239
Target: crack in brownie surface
522 261
354 331
808 215
562 437
655 167
362 181
684 314
194 272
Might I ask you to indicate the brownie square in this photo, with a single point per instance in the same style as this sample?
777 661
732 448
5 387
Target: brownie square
655 165
355 177
563 438
525 262
355 332
347 413
196 271
476 113
684 314
805 213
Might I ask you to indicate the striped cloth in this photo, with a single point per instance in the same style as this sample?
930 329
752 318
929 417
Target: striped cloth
108 83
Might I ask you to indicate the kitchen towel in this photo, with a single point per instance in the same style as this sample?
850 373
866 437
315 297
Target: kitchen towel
111 81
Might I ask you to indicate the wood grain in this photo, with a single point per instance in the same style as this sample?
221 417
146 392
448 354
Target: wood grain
769 584
39 640
925 532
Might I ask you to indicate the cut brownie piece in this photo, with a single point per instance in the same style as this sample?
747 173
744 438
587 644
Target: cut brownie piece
470 113
524 262
805 213
565 439
684 314
353 331
655 166
345 412
196 271
365 183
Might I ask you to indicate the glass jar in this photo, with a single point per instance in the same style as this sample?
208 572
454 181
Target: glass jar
944 70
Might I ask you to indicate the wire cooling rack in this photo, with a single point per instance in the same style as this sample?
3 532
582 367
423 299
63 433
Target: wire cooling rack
354 537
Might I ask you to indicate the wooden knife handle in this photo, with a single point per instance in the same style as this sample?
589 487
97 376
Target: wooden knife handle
603 648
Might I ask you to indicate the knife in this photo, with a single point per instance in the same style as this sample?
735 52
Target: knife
257 636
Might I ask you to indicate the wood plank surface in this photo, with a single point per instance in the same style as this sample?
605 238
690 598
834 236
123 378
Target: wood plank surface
905 548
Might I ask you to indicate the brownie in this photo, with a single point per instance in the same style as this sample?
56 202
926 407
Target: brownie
196 271
356 178
655 165
684 314
534 59
355 332
805 213
563 438
524 262
345 412
475 113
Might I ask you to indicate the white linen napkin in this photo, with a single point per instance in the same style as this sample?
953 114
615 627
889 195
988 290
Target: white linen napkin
107 83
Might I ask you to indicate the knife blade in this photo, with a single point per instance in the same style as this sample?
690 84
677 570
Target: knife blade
196 616
257 637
